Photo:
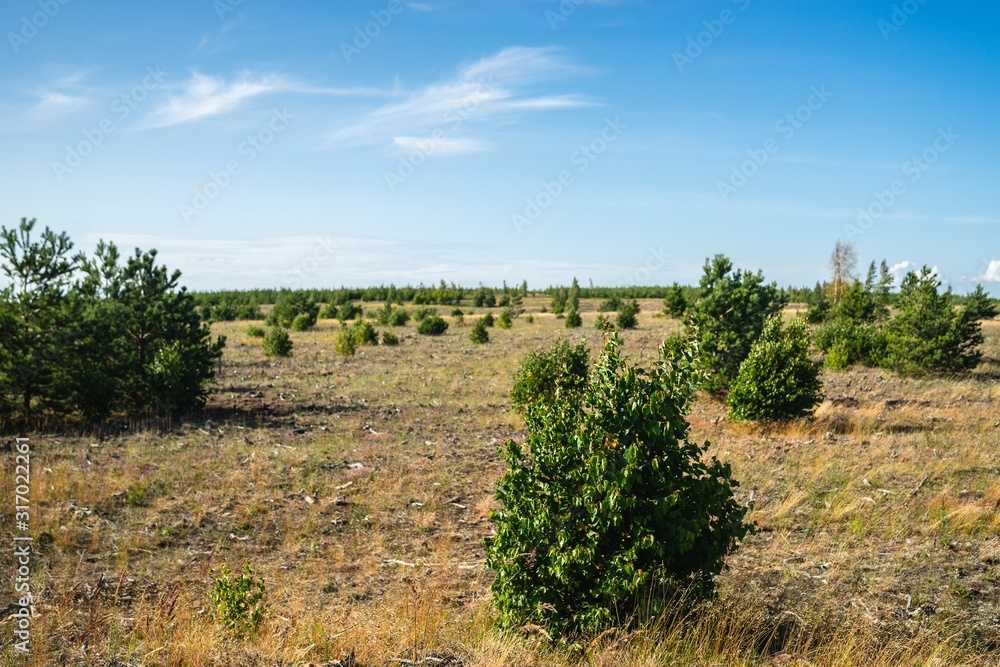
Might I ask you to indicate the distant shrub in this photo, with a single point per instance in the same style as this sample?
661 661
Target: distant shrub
329 312
479 334
777 381
845 342
364 333
238 600
345 344
603 323
389 338
289 306
505 321
457 312
530 319
488 319
928 334
421 314
573 319
674 303
610 305
608 510
399 318
546 373
277 343
432 325
349 311
254 331
628 313
302 322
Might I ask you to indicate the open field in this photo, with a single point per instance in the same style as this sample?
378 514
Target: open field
360 488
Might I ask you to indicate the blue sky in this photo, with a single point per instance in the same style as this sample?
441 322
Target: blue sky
325 143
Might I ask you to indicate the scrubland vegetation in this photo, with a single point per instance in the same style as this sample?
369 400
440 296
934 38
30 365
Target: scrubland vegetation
439 491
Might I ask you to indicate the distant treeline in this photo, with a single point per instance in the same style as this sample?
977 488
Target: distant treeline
228 305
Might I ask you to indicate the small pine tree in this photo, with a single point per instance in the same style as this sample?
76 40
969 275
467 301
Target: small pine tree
573 319
728 317
628 313
479 334
777 381
928 334
505 321
674 303
345 345
277 343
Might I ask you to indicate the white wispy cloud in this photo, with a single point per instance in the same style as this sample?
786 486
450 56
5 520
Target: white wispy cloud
203 96
502 84
440 146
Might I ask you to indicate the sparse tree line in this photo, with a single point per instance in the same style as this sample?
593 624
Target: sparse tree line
94 337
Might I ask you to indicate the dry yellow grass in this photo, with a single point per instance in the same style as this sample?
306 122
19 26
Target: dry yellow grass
878 542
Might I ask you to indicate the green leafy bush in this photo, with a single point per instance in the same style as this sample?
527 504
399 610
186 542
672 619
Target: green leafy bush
777 381
457 312
506 320
389 338
302 322
728 317
277 343
432 326
329 312
607 508
345 344
488 320
479 334
545 374
573 319
846 342
238 599
628 313
254 331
